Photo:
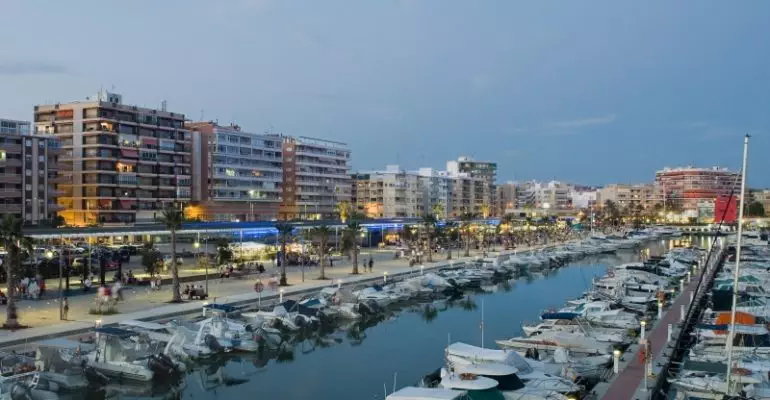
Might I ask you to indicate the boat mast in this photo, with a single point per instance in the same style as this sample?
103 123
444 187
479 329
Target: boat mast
731 333
482 323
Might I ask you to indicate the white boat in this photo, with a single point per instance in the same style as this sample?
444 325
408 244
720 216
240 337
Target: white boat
705 385
550 341
418 393
177 343
118 357
485 377
369 293
543 375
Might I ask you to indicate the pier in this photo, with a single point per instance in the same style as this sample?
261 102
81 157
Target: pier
643 377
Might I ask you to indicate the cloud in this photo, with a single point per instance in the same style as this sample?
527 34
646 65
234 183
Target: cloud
582 122
32 68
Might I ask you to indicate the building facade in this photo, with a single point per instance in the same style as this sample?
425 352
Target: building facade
28 166
627 196
685 187
506 198
437 192
582 199
316 177
466 167
391 193
237 175
120 163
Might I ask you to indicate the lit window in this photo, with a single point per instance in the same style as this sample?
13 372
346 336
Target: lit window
230 172
2 155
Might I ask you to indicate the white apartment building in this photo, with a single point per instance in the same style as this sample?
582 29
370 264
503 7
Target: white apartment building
437 187
390 193
583 198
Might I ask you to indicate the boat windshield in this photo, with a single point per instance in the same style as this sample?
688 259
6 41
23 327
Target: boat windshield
507 382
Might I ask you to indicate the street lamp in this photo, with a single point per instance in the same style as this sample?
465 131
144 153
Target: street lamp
643 324
616 361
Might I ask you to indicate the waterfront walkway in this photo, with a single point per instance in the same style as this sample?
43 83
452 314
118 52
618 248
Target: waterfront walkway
630 382
143 303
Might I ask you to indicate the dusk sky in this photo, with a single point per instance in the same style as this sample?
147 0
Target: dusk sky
589 92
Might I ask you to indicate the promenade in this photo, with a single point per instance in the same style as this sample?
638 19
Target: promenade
143 303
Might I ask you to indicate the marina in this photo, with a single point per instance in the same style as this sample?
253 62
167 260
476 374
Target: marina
404 330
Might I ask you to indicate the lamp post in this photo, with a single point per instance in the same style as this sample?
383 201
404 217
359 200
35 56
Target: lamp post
643 324
616 361
280 296
385 277
660 309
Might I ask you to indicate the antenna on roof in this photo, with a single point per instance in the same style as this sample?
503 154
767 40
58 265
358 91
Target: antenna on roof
163 105
201 115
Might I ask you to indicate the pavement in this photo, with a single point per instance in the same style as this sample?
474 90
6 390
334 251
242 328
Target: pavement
143 303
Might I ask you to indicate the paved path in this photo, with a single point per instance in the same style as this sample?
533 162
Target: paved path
629 380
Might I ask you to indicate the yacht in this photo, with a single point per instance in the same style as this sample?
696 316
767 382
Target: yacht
550 341
117 356
488 377
419 393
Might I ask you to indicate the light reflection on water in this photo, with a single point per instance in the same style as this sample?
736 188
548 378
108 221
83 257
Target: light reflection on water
355 360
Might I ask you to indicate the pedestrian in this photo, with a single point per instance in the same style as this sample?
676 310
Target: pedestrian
371 264
65 308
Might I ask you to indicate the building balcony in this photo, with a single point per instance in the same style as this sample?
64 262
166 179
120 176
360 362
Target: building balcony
10 178
10 193
10 208
10 162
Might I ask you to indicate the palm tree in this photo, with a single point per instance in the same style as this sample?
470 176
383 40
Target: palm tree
350 236
438 210
322 233
172 220
344 210
429 224
467 219
11 235
451 235
285 230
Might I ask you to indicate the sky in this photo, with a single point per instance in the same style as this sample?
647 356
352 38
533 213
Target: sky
590 92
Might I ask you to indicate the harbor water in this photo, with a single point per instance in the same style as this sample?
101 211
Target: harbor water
363 362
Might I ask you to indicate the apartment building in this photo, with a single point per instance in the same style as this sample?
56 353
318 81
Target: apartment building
484 170
236 175
762 197
627 196
471 195
120 163
437 191
316 176
506 198
687 186
584 198
391 193
28 166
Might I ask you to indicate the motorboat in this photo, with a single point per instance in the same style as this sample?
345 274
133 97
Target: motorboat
544 375
370 293
489 377
178 343
116 355
550 341
420 393
709 385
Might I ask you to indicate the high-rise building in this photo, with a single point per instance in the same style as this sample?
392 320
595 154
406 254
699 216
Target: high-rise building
237 175
506 198
466 167
28 166
121 163
687 186
316 177
627 196
437 192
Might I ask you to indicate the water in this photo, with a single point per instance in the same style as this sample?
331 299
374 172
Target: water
356 363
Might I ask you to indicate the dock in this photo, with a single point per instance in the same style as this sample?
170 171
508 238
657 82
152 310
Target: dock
638 380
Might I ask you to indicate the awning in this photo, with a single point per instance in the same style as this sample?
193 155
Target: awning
127 162
129 153
105 202
149 140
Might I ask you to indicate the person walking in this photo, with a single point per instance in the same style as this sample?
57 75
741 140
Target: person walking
371 264
65 308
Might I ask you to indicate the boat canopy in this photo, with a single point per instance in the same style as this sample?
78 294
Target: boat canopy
415 393
559 315
221 307
66 344
151 326
111 331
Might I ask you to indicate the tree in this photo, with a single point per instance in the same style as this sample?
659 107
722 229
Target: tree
429 226
755 209
224 252
285 230
172 220
485 211
151 258
58 221
467 220
12 236
344 209
322 232
611 212
452 236
350 236
438 210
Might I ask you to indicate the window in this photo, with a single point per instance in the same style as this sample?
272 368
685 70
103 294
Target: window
2 155
28 143
41 158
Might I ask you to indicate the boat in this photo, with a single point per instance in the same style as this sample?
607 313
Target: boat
419 393
550 341
490 377
117 356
